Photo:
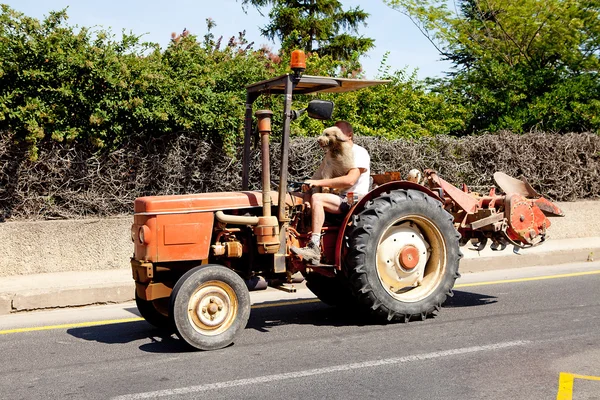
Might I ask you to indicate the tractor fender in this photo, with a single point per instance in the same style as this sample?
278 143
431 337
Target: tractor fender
356 208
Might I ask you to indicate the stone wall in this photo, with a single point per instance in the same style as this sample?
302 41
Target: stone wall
105 244
58 246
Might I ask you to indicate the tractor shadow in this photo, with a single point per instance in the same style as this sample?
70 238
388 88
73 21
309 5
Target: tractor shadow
320 314
269 316
468 299
155 340
314 313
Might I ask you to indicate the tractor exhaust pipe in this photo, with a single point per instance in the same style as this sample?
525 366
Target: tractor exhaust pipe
267 229
264 129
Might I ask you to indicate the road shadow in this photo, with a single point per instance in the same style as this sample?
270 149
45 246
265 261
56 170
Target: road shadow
157 340
133 310
320 314
468 299
314 313
263 319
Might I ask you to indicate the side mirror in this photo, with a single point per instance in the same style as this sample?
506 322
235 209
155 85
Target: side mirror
317 109
320 109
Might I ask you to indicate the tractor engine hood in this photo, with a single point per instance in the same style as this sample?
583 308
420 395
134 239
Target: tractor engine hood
206 202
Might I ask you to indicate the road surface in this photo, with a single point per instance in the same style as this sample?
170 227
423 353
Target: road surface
515 334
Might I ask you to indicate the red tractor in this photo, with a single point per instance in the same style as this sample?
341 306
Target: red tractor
395 253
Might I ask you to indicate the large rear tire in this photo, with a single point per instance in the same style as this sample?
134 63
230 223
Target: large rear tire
403 255
210 306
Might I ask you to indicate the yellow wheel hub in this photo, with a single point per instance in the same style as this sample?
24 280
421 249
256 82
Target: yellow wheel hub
411 258
212 308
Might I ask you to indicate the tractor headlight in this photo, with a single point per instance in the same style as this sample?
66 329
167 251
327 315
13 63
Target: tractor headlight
144 234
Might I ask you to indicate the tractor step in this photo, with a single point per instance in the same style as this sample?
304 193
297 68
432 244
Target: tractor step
286 287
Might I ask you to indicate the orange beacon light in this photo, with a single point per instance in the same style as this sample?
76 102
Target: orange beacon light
298 61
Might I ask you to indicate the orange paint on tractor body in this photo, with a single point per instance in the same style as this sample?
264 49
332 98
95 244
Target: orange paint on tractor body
180 227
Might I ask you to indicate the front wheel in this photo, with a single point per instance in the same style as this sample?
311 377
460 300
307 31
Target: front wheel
154 312
403 255
210 306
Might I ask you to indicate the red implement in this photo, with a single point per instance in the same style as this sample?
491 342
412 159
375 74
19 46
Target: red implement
518 216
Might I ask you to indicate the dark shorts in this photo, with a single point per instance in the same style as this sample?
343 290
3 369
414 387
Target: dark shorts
347 204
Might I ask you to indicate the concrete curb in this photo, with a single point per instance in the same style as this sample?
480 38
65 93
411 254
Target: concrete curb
29 301
83 262
561 252
65 289
105 244
65 297
5 304
527 260
76 289
36 247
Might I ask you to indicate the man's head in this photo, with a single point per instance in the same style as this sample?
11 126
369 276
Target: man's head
346 128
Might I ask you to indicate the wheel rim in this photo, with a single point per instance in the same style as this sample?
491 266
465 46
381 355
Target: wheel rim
212 308
411 258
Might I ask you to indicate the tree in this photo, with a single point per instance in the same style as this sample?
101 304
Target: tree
322 26
518 64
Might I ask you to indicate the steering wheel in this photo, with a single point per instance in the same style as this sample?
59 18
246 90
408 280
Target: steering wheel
296 186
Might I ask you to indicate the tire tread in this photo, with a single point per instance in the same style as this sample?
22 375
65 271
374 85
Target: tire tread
367 224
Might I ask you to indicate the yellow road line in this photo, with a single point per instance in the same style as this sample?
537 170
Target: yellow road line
136 319
279 304
68 326
565 384
535 278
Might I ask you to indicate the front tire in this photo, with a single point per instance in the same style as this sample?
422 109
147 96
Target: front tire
155 312
403 255
210 306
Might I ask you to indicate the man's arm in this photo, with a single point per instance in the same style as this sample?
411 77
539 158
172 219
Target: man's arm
341 182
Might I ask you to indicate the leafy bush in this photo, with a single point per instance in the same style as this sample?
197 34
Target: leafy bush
63 84
404 108
59 84
86 87
95 94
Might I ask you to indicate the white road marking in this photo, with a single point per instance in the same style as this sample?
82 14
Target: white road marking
319 371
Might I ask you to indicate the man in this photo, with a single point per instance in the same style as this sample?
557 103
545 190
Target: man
356 181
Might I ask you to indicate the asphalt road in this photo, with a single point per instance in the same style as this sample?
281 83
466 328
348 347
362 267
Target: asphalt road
525 338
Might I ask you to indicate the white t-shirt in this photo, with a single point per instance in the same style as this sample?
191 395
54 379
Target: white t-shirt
361 160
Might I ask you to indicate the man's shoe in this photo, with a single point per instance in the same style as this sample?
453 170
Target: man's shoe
310 254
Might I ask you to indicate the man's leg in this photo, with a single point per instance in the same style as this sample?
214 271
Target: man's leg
320 202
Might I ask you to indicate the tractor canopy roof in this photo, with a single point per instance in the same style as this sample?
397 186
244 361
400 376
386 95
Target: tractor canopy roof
290 84
312 84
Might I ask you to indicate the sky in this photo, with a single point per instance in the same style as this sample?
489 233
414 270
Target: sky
156 20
